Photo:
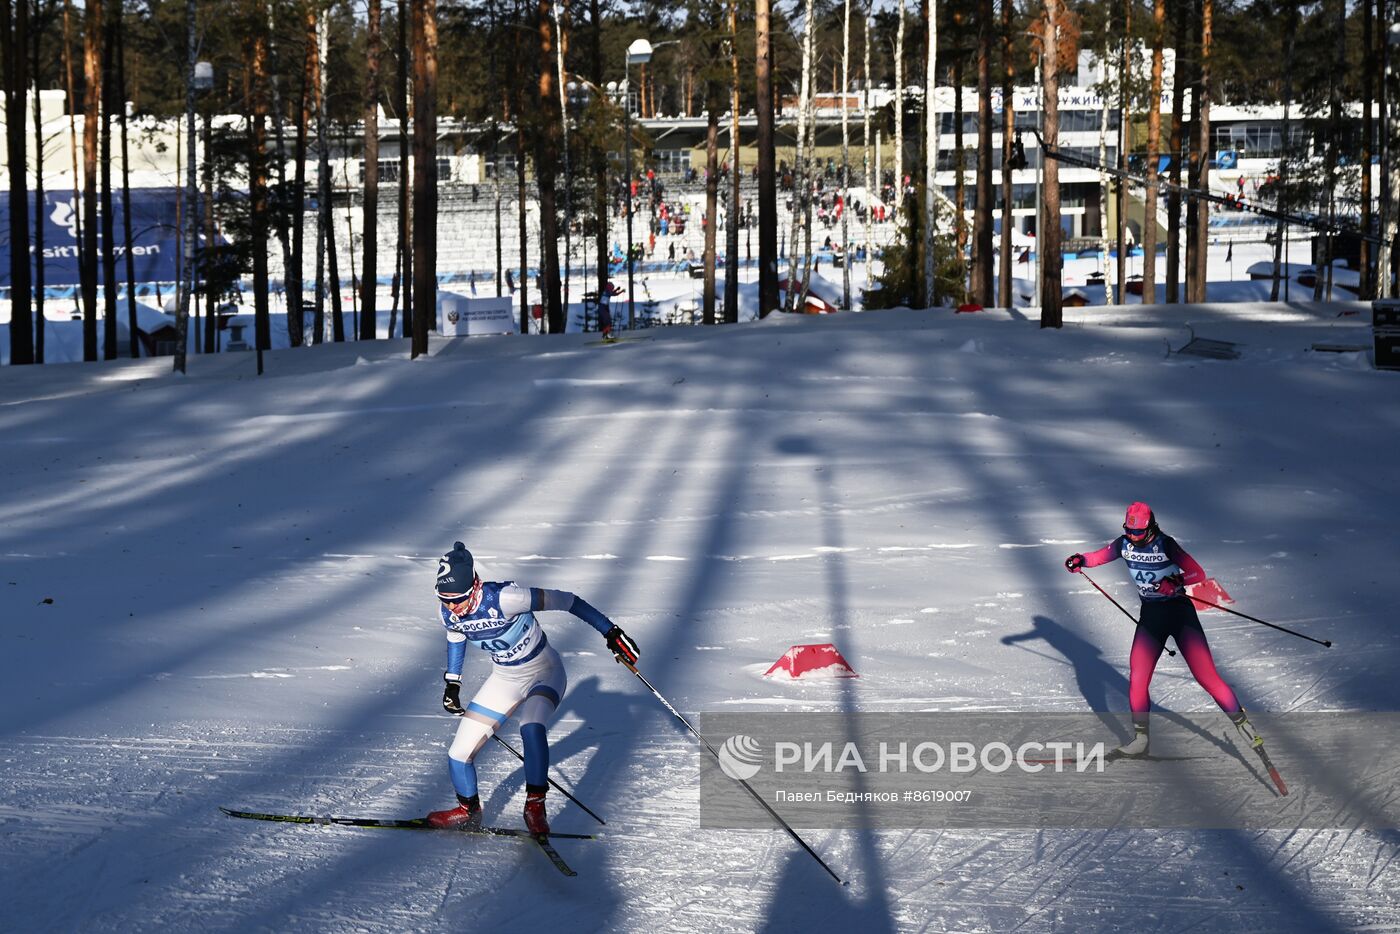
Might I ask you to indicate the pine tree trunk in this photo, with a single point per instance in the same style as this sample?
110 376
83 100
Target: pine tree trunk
547 168
871 185
1173 290
1008 129
425 42
110 351
283 199
1202 180
333 275
711 201
295 275
846 159
521 210
16 39
1124 142
1153 161
930 152
1105 185
1281 229
899 107
982 292
1332 159
126 195
1368 131
959 165
211 322
1048 238
767 189
405 244
78 238
731 230
800 193
257 172
184 293
323 180
599 159
35 63
92 114
369 271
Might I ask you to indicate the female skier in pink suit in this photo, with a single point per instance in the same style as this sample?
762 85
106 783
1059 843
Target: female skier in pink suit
1162 569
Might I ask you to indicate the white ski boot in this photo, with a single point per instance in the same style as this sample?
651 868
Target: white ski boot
1135 749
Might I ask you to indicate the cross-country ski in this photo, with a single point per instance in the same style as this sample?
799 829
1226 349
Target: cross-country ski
409 823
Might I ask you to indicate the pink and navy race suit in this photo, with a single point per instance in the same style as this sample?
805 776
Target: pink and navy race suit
1161 568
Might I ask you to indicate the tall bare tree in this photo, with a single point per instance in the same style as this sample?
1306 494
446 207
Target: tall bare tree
1125 122
369 271
1179 83
846 158
14 33
899 106
184 293
982 256
36 60
1008 128
713 101
425 43
871 170
1048 230
731 227
321 43
599 158
295 275
1197 281
1368 131
1332 151
547 147
72 107
800 192
255 48
930 150
283 214
1290 31
405 240
110 104
92 115
1153 162
959 154
767 189
127 252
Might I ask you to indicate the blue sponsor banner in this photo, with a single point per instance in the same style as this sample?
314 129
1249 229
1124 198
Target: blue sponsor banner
155 238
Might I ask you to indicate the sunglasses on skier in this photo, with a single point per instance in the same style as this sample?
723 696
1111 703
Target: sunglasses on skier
463 602
1136 535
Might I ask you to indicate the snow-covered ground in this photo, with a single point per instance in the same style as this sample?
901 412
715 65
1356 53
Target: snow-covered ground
216 591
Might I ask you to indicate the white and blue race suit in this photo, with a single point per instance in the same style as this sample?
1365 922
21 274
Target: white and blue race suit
527 676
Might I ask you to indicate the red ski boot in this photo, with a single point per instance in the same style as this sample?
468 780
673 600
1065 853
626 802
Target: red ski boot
465 816
536 821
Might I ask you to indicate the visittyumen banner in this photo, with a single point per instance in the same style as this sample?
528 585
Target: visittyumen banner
155 236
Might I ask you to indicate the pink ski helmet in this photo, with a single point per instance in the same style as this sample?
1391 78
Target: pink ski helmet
1140 524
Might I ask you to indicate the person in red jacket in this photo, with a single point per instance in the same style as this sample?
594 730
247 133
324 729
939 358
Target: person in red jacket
1162 570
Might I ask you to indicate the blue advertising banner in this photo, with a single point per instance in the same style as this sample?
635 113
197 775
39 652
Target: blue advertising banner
155 238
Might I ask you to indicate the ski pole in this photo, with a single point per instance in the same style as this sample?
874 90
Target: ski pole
747 787
552 782
1116 603
1254 619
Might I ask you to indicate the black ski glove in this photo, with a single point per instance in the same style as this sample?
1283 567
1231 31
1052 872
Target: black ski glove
1073 563
452 696
622 646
